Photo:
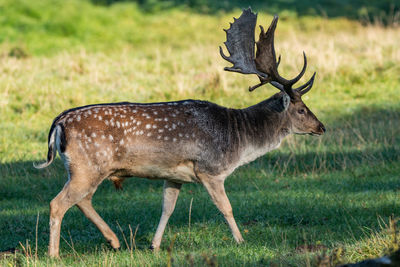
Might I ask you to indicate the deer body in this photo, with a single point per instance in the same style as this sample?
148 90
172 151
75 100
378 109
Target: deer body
179 142
171 141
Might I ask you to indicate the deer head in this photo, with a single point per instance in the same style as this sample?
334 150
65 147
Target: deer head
240 44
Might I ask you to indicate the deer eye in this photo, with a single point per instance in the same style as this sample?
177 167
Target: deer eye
301 111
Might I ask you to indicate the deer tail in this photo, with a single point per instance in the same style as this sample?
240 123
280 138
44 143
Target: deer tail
54 134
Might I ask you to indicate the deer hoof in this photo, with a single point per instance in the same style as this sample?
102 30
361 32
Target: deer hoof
153 248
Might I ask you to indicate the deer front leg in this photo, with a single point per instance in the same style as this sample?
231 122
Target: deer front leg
216 190
170 195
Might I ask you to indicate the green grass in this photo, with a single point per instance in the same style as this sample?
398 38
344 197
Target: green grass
336 191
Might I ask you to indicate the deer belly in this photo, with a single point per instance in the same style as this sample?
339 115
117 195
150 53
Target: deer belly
180 173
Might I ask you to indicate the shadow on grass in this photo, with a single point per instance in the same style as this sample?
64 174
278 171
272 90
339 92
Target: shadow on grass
385 10
330 192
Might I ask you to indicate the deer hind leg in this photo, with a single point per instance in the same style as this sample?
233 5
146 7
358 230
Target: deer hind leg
216 189
85 205
170 195
77 188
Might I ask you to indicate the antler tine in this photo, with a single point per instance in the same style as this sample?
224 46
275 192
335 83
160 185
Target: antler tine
307 86
303 70
240 44
252 88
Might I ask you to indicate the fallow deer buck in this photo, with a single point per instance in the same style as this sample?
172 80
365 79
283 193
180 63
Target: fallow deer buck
180 142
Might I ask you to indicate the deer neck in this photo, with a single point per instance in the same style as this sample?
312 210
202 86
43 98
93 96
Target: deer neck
262 128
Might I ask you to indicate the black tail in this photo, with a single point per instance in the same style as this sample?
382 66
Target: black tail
53 134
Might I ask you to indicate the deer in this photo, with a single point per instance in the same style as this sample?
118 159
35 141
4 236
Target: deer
187 141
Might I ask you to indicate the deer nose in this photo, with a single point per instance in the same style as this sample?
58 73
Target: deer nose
322 128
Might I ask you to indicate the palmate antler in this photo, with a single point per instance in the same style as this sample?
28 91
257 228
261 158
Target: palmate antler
240 45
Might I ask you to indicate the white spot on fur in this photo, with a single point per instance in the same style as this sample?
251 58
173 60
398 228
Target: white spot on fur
149 134
174 139
121 142
78 118
118 124
154 126
166 138
103 136
148 126
165 119
93 134
110 137
160 130
100 118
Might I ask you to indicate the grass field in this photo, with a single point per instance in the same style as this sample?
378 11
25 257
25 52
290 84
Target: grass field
332 194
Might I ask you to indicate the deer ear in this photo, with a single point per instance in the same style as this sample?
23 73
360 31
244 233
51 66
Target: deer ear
285 101
280 102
